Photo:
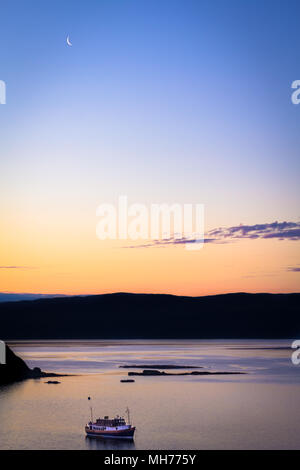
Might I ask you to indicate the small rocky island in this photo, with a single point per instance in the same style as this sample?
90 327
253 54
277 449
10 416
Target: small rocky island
149 372
16 369
159 366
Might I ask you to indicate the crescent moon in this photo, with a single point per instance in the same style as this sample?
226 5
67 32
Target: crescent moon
68 41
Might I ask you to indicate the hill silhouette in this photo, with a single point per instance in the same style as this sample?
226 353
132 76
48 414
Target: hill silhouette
123 315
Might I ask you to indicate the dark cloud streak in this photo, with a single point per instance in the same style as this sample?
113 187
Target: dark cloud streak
293 269
222 235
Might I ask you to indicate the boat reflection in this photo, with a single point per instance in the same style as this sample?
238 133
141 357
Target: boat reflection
94 443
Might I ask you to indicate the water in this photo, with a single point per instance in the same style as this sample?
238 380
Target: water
258 410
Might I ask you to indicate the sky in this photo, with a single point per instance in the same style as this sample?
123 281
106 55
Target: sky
173 101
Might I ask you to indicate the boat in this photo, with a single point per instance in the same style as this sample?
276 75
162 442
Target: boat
116 428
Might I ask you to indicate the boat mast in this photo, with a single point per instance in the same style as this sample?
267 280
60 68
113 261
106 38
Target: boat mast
128 415
91 408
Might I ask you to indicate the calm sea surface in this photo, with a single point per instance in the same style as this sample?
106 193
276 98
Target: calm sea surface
260 409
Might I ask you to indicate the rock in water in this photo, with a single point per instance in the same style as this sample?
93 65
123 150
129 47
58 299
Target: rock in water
14 369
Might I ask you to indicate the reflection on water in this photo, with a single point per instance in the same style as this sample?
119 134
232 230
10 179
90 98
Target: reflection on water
259 358
95 443
258 410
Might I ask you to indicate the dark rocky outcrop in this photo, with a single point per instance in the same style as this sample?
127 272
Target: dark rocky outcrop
149 372
159 366
16 369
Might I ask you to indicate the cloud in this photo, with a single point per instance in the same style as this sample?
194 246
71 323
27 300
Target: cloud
222 235
16 267
293 269
280 230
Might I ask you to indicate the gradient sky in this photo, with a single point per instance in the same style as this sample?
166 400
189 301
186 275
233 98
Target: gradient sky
163 101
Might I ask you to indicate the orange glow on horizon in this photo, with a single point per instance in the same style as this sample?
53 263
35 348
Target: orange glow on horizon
73 261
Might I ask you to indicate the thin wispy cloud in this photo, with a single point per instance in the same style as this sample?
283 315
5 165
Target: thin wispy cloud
17 267
280 230
293 269
222 235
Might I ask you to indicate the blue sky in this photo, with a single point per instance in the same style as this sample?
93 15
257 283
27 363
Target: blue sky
194 92
165 101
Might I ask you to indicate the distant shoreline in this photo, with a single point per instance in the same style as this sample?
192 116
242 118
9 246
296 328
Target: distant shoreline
53 341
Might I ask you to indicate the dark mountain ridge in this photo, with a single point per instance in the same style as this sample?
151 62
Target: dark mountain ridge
125 315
